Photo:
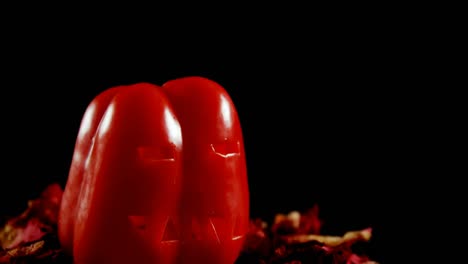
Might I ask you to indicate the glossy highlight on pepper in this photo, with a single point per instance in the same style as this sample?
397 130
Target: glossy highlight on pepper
158 175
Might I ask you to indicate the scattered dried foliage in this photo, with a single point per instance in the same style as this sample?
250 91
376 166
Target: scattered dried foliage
289 239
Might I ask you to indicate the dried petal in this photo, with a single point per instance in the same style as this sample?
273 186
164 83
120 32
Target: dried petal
349 237
310 222
37 220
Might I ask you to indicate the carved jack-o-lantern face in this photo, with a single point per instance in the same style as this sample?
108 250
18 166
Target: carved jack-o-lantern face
158 176
215 192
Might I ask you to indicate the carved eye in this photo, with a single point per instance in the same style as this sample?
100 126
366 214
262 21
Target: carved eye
156 154
226 148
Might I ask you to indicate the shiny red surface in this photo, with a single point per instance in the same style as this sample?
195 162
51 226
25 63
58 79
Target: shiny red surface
158 176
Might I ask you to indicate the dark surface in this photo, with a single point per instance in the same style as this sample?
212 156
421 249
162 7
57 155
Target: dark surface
323 122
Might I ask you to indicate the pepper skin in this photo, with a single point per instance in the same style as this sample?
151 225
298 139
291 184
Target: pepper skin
215 193
158 175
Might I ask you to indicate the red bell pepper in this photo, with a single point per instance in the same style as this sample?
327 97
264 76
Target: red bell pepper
158 175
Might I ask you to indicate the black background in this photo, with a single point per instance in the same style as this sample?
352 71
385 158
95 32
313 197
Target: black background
330 114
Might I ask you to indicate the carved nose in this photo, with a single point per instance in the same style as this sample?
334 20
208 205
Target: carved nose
144 226
205 229
216 228
171 233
